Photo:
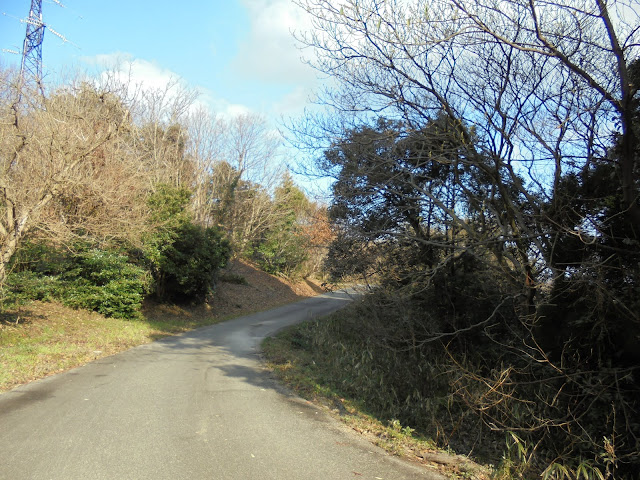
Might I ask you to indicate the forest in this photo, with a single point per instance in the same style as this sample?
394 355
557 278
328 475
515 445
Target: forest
112 194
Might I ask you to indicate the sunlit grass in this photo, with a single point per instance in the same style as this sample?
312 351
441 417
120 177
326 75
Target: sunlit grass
41 339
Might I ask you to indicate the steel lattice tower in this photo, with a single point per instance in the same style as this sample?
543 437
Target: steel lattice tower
32 47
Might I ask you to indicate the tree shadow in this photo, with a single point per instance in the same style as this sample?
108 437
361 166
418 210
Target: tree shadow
316 288
18 317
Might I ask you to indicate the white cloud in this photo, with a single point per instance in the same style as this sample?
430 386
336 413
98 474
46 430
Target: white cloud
137 72
270 54
294 102
226 109
139 75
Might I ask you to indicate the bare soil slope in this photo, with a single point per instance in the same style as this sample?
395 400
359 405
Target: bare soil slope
261 291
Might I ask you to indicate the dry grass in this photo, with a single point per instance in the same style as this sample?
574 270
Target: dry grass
41 339
294 363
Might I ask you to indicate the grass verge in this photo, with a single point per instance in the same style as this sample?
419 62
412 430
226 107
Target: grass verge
292 359
38 339
42 338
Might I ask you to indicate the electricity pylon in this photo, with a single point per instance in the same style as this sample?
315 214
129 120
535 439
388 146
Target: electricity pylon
32 47
31 67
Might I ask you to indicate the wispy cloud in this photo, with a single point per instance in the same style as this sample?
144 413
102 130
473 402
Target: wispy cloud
294 101
270 54
137 72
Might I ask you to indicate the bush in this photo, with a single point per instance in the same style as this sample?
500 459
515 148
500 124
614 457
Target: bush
25 285
186 269
184 258
105 282
100 280
39 257
456 359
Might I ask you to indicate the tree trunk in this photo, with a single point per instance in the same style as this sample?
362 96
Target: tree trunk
6 253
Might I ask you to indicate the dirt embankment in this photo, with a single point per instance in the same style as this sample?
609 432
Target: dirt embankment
259 291
241 289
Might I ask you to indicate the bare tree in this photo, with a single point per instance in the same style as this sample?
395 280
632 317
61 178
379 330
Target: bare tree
161 117
205 146
252 147
545 85
243 182
66 169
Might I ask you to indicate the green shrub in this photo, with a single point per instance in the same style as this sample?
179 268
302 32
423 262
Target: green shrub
93 279
105 282
25 285
186 269
36 256
168 215
184 258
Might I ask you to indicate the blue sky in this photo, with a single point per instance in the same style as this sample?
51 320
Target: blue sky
238 53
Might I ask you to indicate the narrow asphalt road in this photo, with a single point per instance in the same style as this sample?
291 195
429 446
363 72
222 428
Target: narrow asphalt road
194 406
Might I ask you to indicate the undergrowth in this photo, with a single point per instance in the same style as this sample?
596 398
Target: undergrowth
468 396
308 359
92 279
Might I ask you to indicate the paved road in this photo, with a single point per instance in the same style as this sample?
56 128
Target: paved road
194 406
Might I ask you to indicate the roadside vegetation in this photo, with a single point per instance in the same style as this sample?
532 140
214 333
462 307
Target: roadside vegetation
40 338
484 160
118 204
336 370
109 194
99 177
486 183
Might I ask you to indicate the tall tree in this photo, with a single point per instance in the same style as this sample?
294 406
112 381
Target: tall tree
241 181
540 83
282 249
161 116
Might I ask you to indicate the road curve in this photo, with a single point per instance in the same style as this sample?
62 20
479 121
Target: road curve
193 406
